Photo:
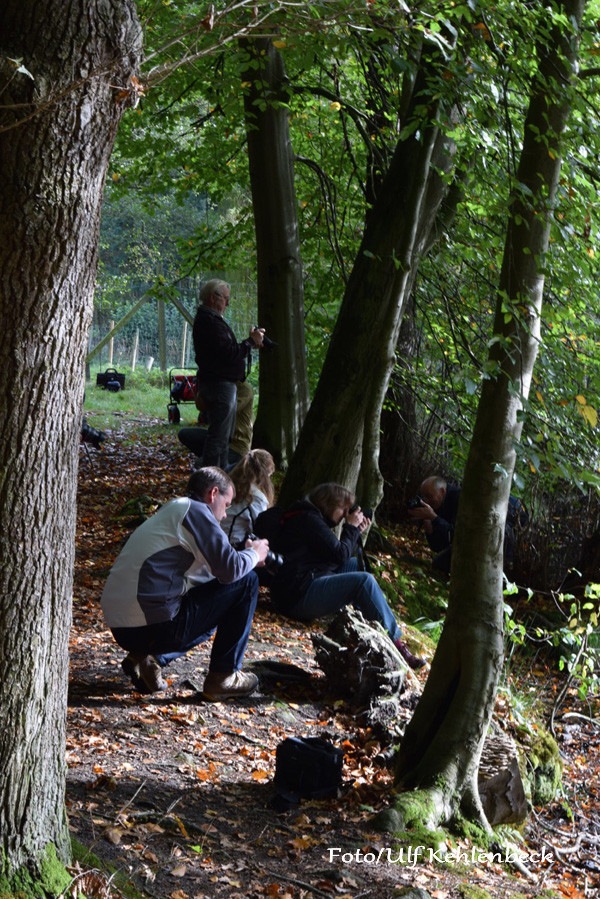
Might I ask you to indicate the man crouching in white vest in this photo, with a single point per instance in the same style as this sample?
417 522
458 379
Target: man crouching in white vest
176 581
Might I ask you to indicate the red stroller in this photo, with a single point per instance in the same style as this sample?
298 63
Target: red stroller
182 389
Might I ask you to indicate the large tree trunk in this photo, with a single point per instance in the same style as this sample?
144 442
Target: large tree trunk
442 745
283 380
406 457
56 133
340 438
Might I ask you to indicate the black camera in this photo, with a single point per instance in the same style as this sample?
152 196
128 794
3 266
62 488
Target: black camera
267 343
415 502
368 513
91 435
273 561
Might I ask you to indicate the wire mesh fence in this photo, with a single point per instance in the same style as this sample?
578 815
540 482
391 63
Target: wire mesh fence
138 341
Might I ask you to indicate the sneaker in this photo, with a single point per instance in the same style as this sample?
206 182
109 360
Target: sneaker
225 686
144 672
411 660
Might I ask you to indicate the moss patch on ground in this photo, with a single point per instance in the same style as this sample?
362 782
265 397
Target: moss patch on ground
469 891
470 830
87 859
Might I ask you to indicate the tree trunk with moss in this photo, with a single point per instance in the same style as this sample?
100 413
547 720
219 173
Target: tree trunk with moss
283 380
442 745
340 437
65 78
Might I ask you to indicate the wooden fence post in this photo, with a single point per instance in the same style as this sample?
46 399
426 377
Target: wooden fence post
183 344
162 336
111 345
136 343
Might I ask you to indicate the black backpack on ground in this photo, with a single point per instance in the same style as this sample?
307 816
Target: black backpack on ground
306 768
110 380
268 524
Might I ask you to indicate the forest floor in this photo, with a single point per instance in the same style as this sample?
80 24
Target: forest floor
172 794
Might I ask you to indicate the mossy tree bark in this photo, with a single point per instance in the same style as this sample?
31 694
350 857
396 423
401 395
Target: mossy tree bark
406 458
57 126
340 437
283 380
442 745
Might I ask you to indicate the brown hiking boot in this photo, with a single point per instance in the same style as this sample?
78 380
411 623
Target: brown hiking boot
144 672
411 660
219 686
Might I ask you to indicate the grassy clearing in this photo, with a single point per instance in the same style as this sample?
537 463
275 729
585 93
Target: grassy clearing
145 394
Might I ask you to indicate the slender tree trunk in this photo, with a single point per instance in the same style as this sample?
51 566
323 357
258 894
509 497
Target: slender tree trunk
56 133
400 446
442 745
439 208
283 380
405 455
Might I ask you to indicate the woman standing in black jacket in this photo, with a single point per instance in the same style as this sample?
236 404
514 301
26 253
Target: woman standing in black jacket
319 575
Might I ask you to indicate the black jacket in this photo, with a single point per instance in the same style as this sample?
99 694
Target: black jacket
219 356
310 550
444 524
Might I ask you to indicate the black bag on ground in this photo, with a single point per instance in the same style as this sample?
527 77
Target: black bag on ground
91 435
110 379
306 768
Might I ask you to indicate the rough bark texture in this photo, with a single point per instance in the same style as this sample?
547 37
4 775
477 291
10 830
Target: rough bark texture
340 438
283 381
56 134
442 744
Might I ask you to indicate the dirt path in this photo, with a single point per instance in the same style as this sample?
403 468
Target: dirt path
174 792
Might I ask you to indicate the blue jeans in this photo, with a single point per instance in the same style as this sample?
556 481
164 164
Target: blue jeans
220 398
226 608
330 593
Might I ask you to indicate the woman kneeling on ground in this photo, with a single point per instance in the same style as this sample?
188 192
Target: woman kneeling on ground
319 575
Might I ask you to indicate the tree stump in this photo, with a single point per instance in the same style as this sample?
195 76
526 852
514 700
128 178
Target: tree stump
362 664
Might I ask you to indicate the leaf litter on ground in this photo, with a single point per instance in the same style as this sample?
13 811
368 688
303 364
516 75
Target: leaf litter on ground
172 794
